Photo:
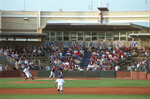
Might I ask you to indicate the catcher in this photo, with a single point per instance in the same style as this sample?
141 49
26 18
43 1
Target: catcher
60 82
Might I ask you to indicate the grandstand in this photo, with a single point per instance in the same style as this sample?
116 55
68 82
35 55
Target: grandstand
74 40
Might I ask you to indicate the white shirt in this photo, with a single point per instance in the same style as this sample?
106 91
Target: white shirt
1 69
117 68
60 81
26 70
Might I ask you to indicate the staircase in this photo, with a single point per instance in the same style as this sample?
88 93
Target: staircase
127 62
4 61
42 61
86 60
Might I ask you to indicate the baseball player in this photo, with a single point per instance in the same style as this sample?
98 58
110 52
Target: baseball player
27 73
60 82
52 73
60 71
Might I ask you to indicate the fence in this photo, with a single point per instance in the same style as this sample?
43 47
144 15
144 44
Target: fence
100 74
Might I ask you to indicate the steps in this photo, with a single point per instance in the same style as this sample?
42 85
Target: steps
86 60
127 62
4 62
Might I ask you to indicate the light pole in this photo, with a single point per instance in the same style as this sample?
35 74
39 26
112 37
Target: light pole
99 3
91 5
24 5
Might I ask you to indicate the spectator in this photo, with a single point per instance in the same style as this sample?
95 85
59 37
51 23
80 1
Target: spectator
1 68
117 68
6 67
101 17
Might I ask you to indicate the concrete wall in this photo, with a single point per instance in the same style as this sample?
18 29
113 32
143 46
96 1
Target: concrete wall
123 74
129 16
101 74
19 21
139 75
17 18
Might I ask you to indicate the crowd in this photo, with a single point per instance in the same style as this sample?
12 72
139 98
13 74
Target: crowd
18 56
102 58
69 59
142 64
108 59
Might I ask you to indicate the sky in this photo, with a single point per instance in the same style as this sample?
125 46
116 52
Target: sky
74 5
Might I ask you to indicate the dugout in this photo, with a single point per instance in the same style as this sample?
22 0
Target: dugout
22 39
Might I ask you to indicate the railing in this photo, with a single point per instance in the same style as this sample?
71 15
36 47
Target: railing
7 58
48 56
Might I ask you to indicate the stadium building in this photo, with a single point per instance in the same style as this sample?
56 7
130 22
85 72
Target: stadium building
74 28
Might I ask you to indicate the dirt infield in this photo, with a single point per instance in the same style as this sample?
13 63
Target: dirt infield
91 90
82 90
27 82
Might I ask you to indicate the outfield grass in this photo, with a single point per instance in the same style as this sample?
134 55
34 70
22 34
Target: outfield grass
76 83
74 96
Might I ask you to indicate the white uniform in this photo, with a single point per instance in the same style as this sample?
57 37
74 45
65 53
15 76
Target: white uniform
60 83
26 71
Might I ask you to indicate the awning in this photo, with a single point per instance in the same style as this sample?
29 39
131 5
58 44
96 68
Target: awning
103 9
140 35
93 27
23 35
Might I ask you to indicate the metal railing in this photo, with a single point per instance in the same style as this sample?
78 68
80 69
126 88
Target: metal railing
7 58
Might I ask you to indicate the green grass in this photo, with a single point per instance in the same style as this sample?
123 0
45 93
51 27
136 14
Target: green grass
74 96
77 83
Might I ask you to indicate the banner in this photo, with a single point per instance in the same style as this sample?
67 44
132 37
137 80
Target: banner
121 44
114 44
81 44
52 44
65 44
73 44
95 44
87 44
136 44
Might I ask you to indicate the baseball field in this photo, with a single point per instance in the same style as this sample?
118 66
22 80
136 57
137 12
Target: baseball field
74 88
81 88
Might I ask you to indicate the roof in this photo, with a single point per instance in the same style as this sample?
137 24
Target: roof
140 35
92 27
23 35
103 9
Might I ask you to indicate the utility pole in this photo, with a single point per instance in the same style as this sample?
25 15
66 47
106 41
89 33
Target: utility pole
91 5
99 12
39 18
24 5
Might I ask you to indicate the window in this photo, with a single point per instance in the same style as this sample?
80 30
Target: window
73 36
88 36
122 38
66 36
80 36
52 36
52 33
47 36
116 38
116 34
59 36
101 36
135 39
123 34
108 36
129 39
94 36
